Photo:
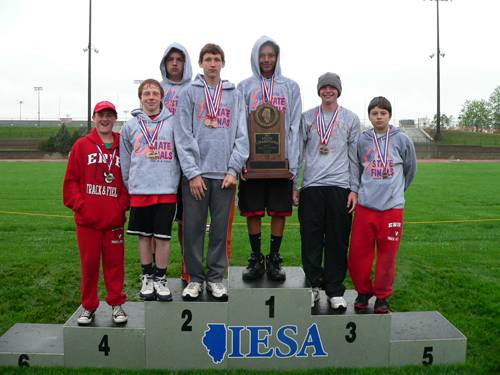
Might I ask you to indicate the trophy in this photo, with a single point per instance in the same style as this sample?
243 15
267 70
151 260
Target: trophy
266 132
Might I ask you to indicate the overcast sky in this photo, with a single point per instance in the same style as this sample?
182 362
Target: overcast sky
377 47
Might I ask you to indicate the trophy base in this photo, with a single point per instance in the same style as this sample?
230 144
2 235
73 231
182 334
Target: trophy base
267 169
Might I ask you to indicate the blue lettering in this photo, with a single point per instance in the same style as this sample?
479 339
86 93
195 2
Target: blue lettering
288 341
255 342
312 339
236 331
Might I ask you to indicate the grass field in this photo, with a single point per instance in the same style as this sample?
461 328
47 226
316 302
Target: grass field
449 258
457 137
28 131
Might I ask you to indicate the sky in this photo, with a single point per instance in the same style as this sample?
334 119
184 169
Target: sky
377 48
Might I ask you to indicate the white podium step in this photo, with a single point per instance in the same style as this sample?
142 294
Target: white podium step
175 330
262 325
425 338
27 345
103 343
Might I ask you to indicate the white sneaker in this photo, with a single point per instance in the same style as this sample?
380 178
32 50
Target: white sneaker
119 315
85 317
148 289
337 303
161 289
314 296
218 290
192 290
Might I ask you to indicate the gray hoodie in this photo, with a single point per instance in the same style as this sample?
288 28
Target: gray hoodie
211 153
286 98
141 175
375 192
340 166
174 90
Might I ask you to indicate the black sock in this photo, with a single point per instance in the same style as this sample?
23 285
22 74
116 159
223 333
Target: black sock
147 269
276 243
255 243
160 272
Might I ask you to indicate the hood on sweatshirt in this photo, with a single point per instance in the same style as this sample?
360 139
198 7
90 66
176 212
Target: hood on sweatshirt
254 60
368 134
164 114
187 74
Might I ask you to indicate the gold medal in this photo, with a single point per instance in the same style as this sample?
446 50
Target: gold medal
323 150
153 155
109 177
385 175
209 123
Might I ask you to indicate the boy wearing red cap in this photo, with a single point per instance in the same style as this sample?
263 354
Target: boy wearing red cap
94 189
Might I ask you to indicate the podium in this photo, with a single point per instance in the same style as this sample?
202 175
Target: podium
262 325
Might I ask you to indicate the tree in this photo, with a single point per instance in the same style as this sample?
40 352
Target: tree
494 107
445 121
475 114
61 142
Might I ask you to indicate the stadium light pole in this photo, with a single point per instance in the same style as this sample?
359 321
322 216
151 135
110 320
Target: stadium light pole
438 54
20 104
90 48
38 88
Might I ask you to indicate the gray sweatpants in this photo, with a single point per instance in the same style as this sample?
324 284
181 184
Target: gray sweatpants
219 201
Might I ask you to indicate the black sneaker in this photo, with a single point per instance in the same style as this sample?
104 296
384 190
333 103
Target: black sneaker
255 269
361 302
381 306
273 267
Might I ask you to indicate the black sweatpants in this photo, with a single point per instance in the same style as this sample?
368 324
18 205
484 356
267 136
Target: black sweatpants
325 226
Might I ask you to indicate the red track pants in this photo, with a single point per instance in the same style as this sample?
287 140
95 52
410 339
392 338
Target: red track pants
110 244
383 228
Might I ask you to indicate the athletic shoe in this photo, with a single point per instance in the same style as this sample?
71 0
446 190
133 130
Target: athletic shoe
162 292
86 317
273 267
218 290
381 306
148 289
314 296
119 315
192 290
256 267
361 301
338 303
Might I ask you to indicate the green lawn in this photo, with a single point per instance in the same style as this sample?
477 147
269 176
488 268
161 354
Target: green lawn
458 137
449 258
28 131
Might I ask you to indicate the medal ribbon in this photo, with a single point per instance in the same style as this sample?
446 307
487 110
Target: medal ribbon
325 131
213 103
145 132
267 92
110 162
383 158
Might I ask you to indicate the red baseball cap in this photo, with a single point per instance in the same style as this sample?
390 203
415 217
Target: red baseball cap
103 105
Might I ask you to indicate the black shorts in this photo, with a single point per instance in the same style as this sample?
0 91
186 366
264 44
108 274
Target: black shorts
180 208
155 220
274 195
